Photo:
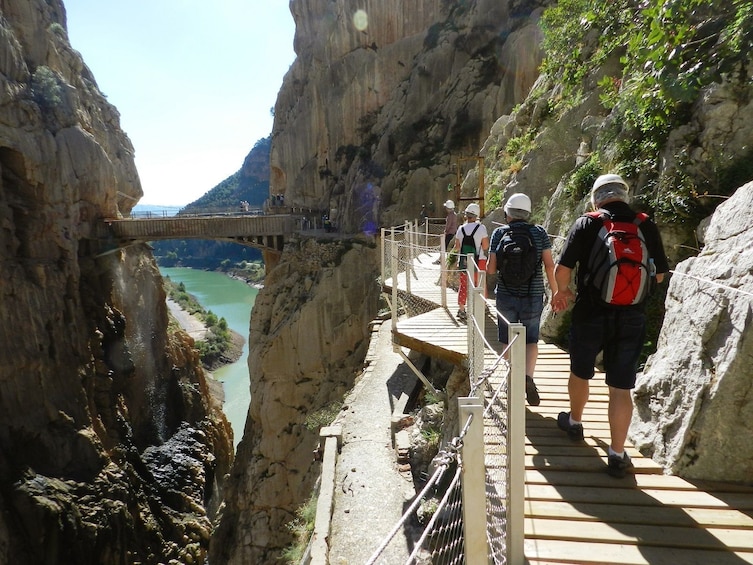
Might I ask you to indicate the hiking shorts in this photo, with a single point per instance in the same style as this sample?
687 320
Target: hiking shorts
619 333
524 309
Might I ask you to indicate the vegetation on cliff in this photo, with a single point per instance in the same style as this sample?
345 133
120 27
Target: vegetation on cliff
668 52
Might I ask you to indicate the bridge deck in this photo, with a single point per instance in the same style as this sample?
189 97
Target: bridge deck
574 511
264 231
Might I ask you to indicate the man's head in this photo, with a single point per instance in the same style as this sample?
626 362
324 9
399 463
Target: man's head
609 188
518 207
450 205
472 211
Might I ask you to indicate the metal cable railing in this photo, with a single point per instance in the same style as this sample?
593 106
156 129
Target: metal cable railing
482 466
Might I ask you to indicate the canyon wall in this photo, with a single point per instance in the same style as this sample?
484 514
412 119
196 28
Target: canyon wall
113 447
387 102
382 102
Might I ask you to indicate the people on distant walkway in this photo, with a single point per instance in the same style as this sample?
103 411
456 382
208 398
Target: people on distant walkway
517 252
471 238
597 326
450 226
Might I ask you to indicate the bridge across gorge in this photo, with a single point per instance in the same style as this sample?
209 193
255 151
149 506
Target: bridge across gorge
263 231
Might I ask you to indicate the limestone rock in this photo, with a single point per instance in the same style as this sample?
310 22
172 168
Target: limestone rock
370 121
694 401
91 381
309 337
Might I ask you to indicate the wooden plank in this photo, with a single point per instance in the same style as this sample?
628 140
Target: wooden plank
638 497
662 515
639 534
557 551
575 512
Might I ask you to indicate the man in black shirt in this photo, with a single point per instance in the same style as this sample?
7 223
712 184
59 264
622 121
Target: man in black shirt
617 330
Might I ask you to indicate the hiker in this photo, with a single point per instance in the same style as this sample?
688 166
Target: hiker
518 251
607 317
450 226
471 237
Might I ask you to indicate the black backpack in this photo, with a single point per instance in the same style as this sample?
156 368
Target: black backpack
517 258
467 245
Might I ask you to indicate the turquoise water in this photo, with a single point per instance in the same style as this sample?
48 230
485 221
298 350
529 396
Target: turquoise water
233 300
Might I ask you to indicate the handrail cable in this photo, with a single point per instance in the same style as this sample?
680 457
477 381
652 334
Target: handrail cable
701 279
442 503
443 458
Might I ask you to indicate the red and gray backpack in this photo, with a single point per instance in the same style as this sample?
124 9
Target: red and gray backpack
618 265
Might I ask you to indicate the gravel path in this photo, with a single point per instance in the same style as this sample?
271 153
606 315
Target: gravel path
191 324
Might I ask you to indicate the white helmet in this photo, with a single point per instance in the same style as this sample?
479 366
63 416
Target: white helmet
607 188
450 205
473 209
518 201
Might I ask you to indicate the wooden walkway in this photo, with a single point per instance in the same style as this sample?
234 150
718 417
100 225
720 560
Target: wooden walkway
575 512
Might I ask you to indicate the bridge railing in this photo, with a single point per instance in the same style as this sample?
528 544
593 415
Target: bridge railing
483 466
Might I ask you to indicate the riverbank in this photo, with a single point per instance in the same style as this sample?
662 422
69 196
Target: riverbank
197 329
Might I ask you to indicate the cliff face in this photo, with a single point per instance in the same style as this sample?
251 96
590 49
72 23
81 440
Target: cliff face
111 443
384 98
309 335
382 101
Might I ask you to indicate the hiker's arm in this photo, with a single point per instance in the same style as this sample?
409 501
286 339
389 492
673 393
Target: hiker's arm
546 258
561 298
491 264
485 244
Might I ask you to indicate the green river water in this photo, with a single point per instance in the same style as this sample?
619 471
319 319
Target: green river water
230 299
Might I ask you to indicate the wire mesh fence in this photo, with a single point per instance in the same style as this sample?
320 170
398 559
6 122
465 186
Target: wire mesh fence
453 530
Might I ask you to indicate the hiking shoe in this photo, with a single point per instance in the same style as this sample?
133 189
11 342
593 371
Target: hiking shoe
575 431
618 466
532 393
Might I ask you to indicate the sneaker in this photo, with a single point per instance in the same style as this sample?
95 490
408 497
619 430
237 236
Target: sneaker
462 316
532 393
618 466
575 431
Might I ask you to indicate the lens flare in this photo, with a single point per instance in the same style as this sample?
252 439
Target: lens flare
361 20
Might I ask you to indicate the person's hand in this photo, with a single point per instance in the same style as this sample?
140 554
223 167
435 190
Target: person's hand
561 299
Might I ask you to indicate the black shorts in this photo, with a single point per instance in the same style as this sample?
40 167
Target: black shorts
619 333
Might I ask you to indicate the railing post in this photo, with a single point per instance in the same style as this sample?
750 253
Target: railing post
409 235
395 279
516 426
473 480
442 272
476 310
384 247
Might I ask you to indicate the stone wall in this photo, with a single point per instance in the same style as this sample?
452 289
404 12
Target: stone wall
371 122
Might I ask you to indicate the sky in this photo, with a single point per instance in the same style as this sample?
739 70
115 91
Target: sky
194 82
